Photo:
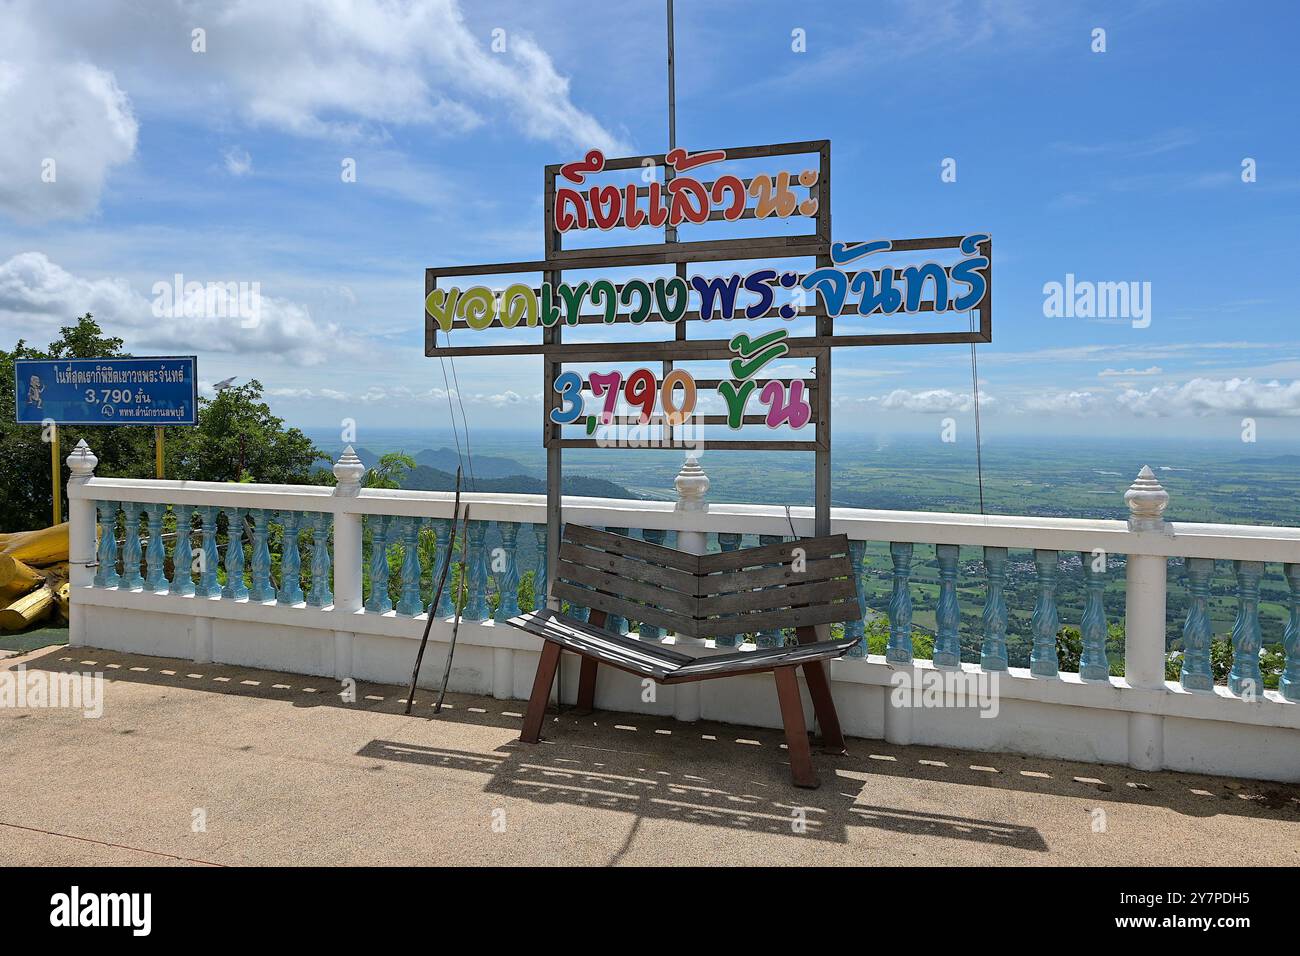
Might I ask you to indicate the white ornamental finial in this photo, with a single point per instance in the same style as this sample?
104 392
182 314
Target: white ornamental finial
1146 501
691 484
349 471
82 462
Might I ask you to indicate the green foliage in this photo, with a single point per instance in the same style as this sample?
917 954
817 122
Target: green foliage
238 439
527 591
390 471
1069 649
1220 659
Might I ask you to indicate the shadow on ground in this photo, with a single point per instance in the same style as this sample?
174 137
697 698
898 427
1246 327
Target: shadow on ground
706 773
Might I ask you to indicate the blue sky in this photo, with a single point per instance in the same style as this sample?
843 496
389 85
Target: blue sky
224 165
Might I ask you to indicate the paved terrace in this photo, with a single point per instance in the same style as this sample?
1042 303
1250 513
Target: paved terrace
290 774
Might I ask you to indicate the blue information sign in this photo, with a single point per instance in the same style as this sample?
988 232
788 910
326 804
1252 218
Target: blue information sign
154 390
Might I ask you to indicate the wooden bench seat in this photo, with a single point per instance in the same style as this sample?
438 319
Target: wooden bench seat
797 584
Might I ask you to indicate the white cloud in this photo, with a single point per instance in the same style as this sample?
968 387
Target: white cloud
931 401
1062 403
308 68
38 296
1207 396
325 68
377 394
1129 372
63 126
237 161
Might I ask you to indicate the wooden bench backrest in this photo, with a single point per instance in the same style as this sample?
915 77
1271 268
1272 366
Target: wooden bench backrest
733 592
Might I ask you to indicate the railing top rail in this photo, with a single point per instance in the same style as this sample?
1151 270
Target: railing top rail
1177 539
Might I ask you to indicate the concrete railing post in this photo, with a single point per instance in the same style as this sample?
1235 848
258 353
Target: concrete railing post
692 484
1144 621
347 556
81 538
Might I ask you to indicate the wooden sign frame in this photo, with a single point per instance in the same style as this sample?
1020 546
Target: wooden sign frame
816 245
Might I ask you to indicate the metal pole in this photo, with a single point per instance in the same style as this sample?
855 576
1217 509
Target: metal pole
158 451
672 89
56 474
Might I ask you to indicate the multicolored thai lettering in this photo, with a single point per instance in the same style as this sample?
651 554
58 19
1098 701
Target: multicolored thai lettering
679 198
888 290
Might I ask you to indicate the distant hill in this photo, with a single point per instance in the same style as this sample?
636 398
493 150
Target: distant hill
424 478
485 466
1274 460
445 459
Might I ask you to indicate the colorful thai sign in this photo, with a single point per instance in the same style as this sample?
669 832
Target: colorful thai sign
886 291
679 199
943 277
786 404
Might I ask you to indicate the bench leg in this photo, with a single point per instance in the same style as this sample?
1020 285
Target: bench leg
586 702
586 687
536 712
796 732
819 688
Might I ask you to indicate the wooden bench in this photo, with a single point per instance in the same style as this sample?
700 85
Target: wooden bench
734 592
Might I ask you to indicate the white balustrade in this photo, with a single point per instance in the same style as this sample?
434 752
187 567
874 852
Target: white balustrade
338 582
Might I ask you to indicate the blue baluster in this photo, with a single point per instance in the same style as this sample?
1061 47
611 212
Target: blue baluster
1197 632
235 588
319 594
947 641
1245 678
290 560
1290 683
539 576
442 541
409 600
898 649
727 541
857 555
508 577
106 575
183 551
652 632
993 652
1045 622
260 565
155 553
131 576
379 600
476 608
616 622
208 586
1093 663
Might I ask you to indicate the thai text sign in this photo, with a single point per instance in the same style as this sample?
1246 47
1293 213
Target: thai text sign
107 391
792 291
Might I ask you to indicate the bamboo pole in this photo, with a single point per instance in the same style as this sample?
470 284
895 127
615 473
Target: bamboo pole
37 548
16 575
27 609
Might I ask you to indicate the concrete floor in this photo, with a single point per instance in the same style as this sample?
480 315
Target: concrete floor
281 771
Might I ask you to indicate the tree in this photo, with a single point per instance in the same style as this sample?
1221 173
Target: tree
238 439
124 451
390 471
